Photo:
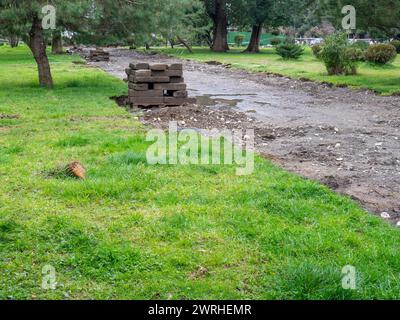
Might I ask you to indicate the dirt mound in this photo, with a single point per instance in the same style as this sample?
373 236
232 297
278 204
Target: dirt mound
194 116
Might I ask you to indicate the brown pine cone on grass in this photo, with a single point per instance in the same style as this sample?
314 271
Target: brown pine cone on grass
76 169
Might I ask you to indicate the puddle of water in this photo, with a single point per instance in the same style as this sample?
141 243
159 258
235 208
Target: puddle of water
262 103
207 100
233 95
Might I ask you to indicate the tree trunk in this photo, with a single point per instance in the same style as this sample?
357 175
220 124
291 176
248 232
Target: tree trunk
56 43
38 47
220 40
185 44
13 41
254 44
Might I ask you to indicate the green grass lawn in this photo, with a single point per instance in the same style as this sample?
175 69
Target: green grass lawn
382 79
135 231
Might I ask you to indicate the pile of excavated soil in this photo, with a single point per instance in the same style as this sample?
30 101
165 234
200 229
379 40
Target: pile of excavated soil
194 116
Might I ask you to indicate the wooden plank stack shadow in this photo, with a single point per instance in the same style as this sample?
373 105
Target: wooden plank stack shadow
158 85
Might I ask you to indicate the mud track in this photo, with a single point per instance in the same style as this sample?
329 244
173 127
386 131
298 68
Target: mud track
347 139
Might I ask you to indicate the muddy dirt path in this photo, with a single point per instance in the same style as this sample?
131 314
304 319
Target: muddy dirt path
347 139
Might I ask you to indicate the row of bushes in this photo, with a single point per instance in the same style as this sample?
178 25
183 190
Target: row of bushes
340 57
377 53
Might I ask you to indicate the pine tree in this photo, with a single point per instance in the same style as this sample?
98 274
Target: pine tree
25 16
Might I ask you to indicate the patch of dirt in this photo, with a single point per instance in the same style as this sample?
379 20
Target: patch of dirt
213 63
9 116
120 100
335 183
347 139
194 116
98 118
199 273
5 129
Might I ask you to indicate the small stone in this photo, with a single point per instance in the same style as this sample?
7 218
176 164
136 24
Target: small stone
398 224
339 159
385 215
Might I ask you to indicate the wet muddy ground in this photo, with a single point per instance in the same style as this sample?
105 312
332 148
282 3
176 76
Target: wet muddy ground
347 139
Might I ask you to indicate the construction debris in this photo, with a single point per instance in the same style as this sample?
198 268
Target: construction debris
157 85
99 55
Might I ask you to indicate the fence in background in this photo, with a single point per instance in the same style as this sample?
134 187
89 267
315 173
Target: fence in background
265 38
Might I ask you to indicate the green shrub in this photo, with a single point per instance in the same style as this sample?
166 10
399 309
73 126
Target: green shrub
316 49
360 45
290 51
355 54
376 33
276 41
335 57
275 32
380 53
396 44
239 40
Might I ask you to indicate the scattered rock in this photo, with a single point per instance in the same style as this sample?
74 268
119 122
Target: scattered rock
385 215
